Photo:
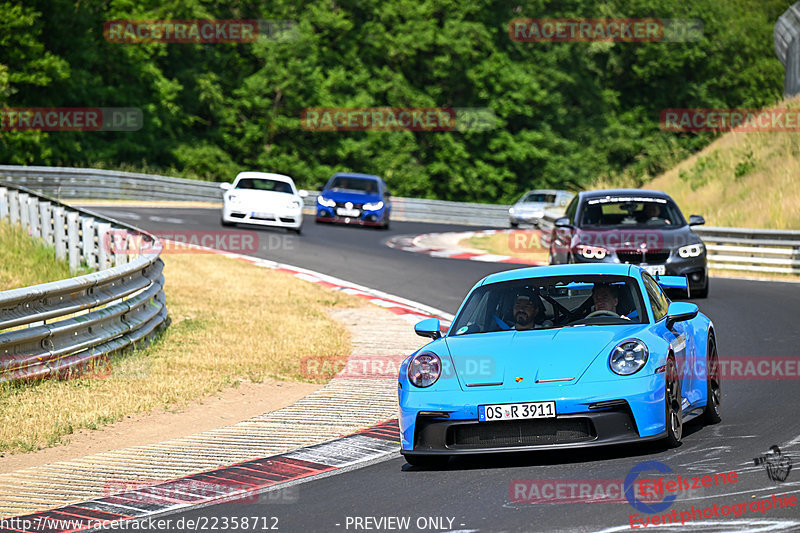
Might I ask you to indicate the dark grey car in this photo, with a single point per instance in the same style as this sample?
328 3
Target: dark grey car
632 226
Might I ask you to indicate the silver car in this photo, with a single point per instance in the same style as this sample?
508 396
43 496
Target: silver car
531 207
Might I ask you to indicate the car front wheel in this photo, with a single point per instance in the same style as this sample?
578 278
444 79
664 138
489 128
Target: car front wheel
712 412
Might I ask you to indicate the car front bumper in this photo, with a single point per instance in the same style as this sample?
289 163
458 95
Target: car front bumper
289 218
591 414
365 218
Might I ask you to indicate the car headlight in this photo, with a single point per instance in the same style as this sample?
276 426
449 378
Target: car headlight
510 210
234 198
373 206
327 202
592 252
628 357
294 204
424 369
691 250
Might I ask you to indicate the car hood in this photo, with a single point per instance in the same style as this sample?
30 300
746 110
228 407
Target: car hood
653 238
351 196
497 359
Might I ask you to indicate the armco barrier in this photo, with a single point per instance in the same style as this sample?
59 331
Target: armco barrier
71 326
746 250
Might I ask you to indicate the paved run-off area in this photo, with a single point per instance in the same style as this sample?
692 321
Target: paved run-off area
343 406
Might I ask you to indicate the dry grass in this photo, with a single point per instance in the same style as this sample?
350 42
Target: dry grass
525 244
25 261
743 179
232 322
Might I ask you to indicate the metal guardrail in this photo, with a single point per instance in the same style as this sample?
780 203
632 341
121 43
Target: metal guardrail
786 37
745 250
748 250
68 327
77 183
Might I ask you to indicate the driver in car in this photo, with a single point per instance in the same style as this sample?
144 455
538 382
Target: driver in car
529 312
605 298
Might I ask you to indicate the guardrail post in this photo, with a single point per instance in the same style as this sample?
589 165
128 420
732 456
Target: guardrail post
103 245
33 216
13 207
46 217
121 244
73 242
59 231
87 239
3 203
22 205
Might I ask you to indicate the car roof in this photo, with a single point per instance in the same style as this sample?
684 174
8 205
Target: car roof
355 175
612 269
646 193
264 175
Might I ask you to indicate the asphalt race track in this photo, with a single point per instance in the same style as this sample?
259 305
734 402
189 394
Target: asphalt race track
752 318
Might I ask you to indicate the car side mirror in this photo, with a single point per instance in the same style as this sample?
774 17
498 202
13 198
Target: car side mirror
696 220
680 311
428 328
320 187
562 222
302 193
225 186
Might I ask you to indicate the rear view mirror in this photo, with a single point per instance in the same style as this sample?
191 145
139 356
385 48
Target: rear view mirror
563 222
428 328
696 220
680 311
225 186
302 193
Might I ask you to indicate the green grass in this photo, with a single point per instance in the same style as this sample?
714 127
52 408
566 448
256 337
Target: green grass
743 179
26 261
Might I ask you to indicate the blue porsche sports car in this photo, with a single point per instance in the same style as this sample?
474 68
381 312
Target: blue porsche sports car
558 357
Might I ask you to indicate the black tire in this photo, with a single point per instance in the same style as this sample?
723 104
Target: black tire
385 225
701 293
514 224
427 461
227 224
297 231
712 414
673 408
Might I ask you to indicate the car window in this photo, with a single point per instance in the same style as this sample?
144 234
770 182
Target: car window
551 302
348 183
571 208
539 197
631 211
658 300
261 184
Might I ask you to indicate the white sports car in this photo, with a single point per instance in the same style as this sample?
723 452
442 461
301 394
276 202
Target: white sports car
265 199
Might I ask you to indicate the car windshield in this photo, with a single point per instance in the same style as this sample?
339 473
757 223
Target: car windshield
262 184
551 302
539 197
629 211
354 184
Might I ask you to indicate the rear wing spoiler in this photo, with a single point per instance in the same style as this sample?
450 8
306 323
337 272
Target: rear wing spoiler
673 282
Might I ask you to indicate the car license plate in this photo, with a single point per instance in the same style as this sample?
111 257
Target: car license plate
343 212
655 269
516 411
257 214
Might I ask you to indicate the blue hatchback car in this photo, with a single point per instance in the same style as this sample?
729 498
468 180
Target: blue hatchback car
351 198
559 357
